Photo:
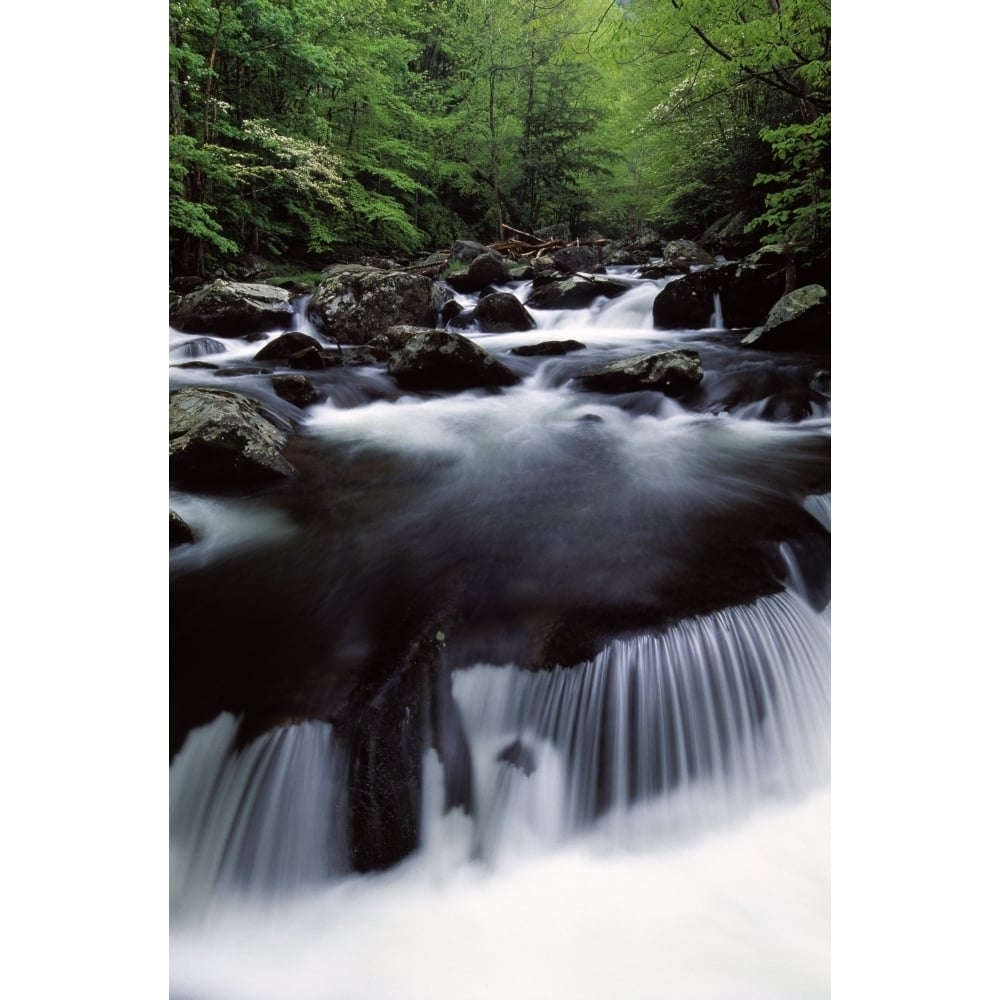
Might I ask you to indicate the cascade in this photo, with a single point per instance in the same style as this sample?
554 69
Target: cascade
717 322
616 731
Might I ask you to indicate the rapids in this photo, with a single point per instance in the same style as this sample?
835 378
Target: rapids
609 617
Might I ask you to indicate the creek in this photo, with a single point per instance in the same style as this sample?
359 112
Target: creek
579 642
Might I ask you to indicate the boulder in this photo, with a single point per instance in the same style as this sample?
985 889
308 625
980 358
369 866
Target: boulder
296 389
688 303
685 253
748 288
799 320
221 438
466 251
439 359
353 306
283 347
726 235
671 372
576 259
501 312
233 309
576 292
308 359
633 250
487 269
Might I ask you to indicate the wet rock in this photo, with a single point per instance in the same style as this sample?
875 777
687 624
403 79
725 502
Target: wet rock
688 303
450 310
747 289
221 438
574 293
439 359
727 236
685 253
466 251
308 359
487 269
575 259
799 320
634 250
790 407
233 309
296 389
520 756
501 312
548 348
198 348
283 347
355 305
180 532
671 372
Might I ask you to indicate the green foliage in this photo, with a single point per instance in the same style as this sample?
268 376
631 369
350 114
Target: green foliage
797 210
300 126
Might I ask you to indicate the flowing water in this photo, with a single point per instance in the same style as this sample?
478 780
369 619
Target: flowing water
647 819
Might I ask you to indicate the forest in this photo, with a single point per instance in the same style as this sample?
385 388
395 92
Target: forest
311 130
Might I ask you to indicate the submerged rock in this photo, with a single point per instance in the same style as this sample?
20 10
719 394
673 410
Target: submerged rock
548 348
520 756
221 438
198 348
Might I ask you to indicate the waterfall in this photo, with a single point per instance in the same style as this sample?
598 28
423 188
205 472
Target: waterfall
716 726
717 322
260 821
574 646
660 735
663 733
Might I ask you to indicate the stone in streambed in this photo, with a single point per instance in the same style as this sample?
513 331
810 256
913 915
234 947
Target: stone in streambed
296 389
354 306
180 531
548 348
221 438
799 320
232 309
501 312
574 292
283 347
671 372
439 359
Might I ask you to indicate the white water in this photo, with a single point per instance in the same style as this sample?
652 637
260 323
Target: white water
717 321
671 840
741 913
715 882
